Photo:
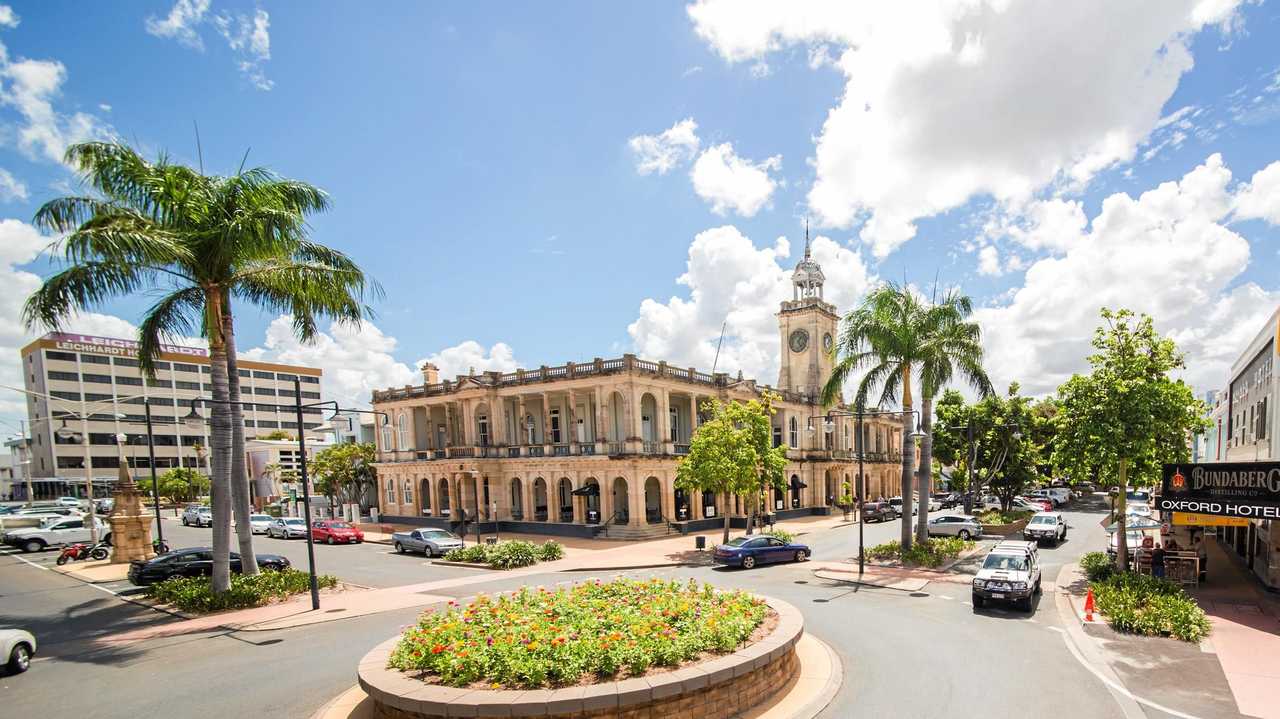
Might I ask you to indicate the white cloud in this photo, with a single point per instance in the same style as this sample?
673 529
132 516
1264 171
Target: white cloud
30 87
989 261
952 100
1260 198
470 355
11 188
248 36
760 70
732 281
181 22
8 18
1167 253
730 182
662 152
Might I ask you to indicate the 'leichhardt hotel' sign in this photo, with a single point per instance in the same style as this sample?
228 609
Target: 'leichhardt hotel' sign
1226 489
112 346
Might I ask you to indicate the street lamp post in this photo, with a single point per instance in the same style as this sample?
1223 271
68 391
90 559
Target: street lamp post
155 483
859 415
306 494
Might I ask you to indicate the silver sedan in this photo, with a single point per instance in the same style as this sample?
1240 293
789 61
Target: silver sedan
431 542
955 525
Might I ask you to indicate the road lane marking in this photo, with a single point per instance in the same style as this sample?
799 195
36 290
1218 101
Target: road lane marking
943 596
1116 686
28 561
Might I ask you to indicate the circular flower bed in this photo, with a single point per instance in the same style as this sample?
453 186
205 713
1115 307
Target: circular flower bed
539 638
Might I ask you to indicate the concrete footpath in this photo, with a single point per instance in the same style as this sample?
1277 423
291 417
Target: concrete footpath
1234 672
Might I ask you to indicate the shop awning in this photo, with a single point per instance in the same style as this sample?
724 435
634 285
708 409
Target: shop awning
591 490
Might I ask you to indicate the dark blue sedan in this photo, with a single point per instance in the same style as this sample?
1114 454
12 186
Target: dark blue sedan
747 552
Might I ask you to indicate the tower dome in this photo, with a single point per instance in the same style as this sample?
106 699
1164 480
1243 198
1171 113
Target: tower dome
807 278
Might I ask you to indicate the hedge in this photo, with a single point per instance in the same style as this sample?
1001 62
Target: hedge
195 594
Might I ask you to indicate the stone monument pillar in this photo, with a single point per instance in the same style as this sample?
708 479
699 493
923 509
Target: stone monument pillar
130 521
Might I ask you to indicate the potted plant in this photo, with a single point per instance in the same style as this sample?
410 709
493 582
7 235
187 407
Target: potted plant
845 501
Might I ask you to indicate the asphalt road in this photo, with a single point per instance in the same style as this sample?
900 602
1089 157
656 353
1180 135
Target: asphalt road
906 654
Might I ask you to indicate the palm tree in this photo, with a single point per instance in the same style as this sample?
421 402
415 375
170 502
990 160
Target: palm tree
885 334
952 345
201 240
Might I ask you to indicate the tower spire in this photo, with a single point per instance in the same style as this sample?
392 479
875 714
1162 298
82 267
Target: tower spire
806 237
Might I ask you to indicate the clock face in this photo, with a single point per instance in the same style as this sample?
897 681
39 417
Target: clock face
826 341
799 340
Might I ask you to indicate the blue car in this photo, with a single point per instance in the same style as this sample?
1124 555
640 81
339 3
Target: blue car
747 552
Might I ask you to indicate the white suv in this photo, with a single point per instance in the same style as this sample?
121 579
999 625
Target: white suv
1046 526
56 532
197 515
1011 572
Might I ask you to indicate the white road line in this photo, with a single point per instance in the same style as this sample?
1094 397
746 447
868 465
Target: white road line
41 566
1059 630
28 561
943 596
1117 687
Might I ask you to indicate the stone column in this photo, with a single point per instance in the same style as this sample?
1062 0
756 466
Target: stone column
667 497
664 421
635 498
606 498
522 433
571 414
546 427
579 510
601 429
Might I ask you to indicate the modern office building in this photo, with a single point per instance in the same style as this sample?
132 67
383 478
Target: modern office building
559 449
93 387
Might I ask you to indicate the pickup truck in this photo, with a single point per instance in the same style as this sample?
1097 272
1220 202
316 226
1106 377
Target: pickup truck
55 533
431 542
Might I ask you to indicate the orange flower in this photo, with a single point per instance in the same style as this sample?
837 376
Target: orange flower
437 649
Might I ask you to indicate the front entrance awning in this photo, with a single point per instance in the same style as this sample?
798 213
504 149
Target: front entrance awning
591 490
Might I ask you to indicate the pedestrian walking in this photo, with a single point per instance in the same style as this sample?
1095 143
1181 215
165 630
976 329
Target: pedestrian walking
1157 561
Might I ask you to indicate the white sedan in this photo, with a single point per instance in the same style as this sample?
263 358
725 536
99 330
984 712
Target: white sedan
17 647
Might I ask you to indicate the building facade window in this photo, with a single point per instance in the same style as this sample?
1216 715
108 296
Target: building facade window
408 491
386 438
402 427
482 425
795 433
555 426
391 491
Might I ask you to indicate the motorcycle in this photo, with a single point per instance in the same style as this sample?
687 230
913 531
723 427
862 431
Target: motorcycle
80 550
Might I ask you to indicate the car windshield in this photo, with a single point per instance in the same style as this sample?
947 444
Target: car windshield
1010 562
1043 520
738 542
438 534
259 517
294 522
339 525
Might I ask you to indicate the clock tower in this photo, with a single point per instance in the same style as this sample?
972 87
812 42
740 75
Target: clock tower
807 325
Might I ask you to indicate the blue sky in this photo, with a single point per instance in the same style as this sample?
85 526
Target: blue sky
487 164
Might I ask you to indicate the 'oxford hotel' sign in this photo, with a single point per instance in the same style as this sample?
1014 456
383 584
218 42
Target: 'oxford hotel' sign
1228 489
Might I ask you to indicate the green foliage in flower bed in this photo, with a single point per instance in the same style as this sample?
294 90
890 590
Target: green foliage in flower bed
1141 604
195 594
931 552
507 555
538 638
1097 566
782 534
999 516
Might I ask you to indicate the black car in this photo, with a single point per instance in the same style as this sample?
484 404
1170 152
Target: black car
948 499
192 562
878 512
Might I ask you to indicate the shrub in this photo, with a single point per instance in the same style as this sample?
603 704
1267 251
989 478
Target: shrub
1140 604
512 555
550 551
476 554
782 534
195 594
931 552
1097 566
537 638
998 516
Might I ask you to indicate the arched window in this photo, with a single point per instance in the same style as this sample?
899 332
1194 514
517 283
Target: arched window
402 428
528 428
391 491
386 438
482 423
795 433
408 491
846 437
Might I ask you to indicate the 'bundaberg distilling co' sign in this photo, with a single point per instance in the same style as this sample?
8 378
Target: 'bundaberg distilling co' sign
1227 489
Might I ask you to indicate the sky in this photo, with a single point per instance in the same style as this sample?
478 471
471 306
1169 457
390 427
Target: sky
539 183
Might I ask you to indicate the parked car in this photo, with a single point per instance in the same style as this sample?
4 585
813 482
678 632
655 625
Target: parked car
34 516
878 512
1010 572
287 528
431 542
935 504
954 525
68 501
1046 526
947 500
259 523
197 515
1044 503
747 552
1019 503
1133 540
335 531
1045 494
17 646
104 506
56 532
1140 510
896 503
192 562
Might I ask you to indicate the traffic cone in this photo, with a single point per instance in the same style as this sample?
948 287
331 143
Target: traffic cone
1088 606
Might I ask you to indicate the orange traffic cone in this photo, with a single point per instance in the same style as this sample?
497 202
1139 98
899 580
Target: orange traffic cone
1088 606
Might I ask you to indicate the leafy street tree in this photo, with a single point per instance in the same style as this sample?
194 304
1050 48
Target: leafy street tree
182 484
893 334
346 470
278 435
1127 417
1006 453
731 453
202 241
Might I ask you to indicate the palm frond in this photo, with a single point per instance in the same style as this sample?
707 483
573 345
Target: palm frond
82 287
173 317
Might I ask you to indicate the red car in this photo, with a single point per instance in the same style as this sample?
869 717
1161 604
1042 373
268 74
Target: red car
336 532
1046 504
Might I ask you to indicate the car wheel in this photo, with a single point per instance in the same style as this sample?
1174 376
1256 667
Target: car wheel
19 659
964 534
1026 604
34 545
185 523
748 562
1037 586
399 548
977 602
330 540
801 555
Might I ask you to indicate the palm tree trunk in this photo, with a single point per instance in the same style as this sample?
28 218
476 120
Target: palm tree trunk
908 458
219 450
926 465
239 479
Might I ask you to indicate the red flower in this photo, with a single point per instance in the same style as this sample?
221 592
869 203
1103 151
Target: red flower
437 649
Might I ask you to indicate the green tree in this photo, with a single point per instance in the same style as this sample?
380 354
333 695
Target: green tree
277 434
183 484
345 470
1005 451
1127 417
202 241
731 453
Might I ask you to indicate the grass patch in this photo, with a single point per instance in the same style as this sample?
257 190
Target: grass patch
510 554
999 516
195 594
600 629
1140 604
931 552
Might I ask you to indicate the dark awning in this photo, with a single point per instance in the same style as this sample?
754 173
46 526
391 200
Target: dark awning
591 490
797 484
